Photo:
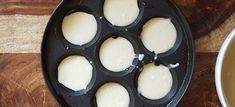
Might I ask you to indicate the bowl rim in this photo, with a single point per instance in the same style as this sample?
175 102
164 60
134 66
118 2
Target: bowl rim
218 67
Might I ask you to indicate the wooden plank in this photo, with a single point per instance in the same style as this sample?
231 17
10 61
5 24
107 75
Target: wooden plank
35 7
203 15
22 84
206 15
23 34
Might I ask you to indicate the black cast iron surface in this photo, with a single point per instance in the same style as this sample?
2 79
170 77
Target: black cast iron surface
55 48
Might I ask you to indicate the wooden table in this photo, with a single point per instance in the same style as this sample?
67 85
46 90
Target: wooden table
22 23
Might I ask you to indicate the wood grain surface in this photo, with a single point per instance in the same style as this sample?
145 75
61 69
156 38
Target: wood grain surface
213 41
23 34
22 23
206 15
202 90
21 82
32 7
203 15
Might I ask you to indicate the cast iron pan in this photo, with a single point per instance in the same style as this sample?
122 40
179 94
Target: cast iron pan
55 48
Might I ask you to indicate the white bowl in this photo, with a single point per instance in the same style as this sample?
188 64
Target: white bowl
218 68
